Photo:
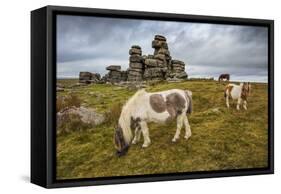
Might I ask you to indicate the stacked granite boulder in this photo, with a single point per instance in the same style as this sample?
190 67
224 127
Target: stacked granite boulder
158 64
115 74
124 76
177 70
136 67
161 51
88 77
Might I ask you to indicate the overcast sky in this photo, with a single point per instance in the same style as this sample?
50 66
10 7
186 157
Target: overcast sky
92 43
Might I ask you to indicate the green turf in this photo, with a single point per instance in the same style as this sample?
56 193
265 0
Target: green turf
221 138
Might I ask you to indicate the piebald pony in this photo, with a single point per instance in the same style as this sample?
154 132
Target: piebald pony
144 107
237 92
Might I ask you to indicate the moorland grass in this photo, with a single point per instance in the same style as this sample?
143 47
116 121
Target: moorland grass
221 138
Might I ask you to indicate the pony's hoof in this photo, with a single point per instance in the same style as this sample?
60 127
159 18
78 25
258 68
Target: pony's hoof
187 137
134 142
145 145
174 140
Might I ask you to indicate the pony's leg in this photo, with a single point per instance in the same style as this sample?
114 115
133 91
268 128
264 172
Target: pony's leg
227 101
187 127
179 126
137 136
245 104
145 133
238 104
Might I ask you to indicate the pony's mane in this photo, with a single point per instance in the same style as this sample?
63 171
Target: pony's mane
132 100
125 117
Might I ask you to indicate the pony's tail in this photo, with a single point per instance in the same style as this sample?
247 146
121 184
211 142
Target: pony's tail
188 95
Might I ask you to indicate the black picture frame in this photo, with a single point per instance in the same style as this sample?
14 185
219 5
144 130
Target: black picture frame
43 95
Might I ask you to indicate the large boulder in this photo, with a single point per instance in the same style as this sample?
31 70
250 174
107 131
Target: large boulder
114 68
178 65
136 47
154 73
181 75
136 65
160 57
115 73
135 70
163 51
135 58
136 51
85 76
134 78
134 73
72 118
151 62
177 62
160 37
159 44
88 77
124 75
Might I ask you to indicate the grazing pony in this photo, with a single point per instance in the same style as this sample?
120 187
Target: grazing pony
237 92
224 77
158 107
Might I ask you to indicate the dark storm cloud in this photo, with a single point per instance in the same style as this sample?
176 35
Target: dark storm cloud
91 43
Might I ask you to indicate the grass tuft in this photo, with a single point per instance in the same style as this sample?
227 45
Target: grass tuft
67 101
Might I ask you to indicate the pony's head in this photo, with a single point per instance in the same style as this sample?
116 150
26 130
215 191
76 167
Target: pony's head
120 143
123 134
246 87
249 88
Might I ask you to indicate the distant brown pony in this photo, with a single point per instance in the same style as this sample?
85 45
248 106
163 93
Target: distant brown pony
224 77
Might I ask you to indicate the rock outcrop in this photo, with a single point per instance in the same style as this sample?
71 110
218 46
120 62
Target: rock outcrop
115 74
88 77
156 66
177 70
136 67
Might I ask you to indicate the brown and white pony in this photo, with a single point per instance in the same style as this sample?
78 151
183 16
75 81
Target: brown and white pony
237 92
144 107
224 77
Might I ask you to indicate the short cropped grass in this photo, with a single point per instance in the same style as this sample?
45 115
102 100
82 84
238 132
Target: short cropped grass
221 138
